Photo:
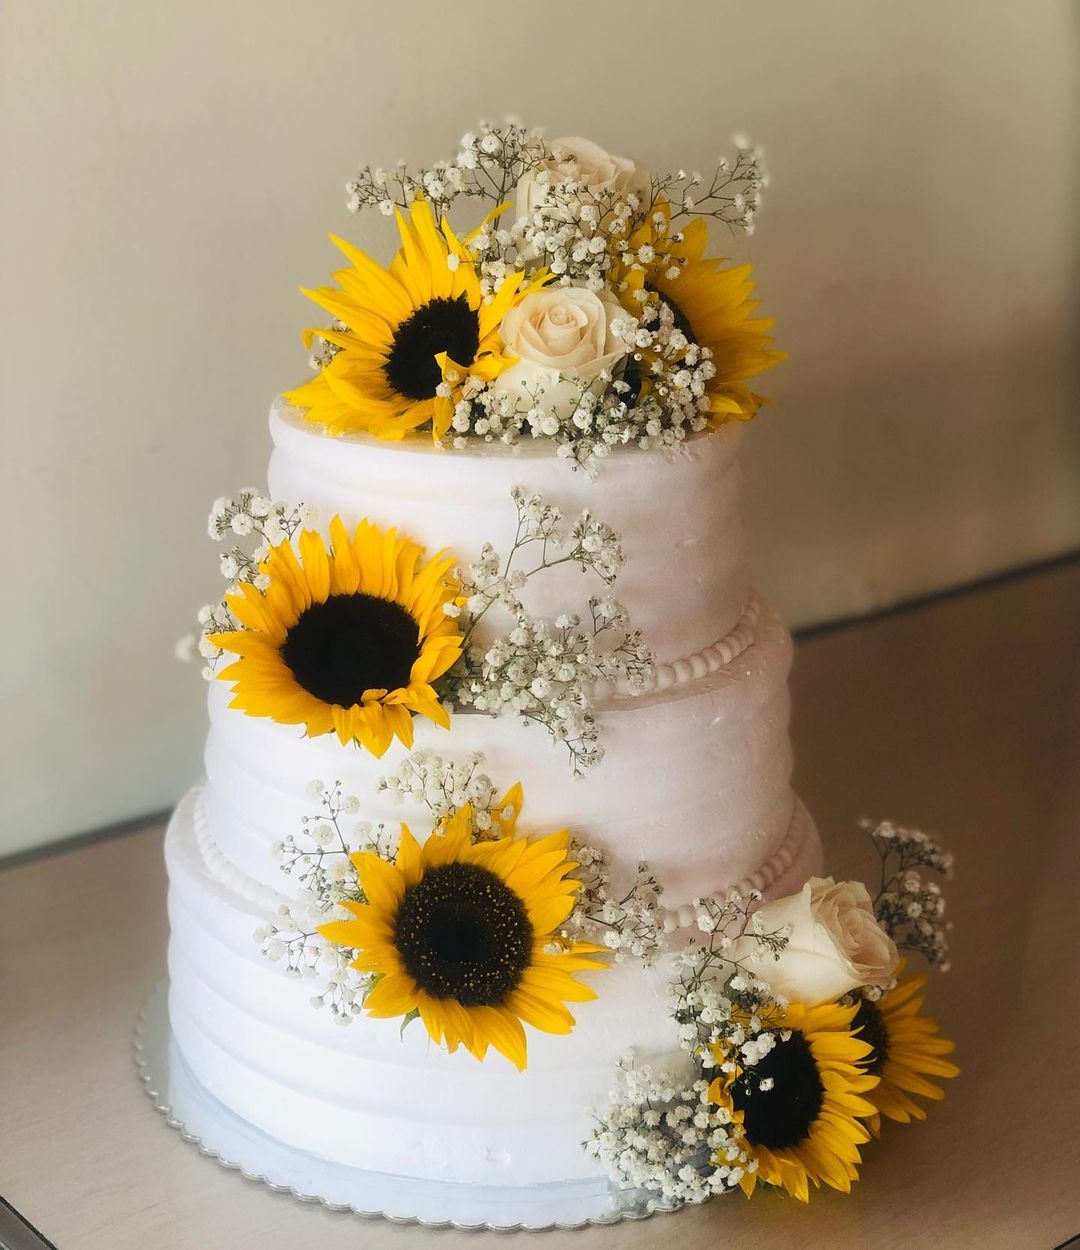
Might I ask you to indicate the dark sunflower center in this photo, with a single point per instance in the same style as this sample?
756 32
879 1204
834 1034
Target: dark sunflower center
632 375
440 325
349 644
780 1115
869 1020
462 933
681 320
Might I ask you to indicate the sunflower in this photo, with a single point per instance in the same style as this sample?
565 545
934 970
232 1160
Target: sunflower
346 639
710 303
906 1051
413 334
800 1105
462 933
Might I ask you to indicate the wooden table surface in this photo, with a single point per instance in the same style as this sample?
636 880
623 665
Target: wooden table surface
962 716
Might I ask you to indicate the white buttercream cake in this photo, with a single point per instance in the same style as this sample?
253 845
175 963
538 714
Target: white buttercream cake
695 779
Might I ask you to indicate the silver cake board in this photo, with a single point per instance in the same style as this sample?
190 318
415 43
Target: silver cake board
235 1143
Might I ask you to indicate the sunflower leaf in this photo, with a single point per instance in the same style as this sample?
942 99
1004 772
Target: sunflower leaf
408 1018
373 980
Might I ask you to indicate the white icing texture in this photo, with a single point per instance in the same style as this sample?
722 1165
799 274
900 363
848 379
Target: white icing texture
366 1094
684 581
695 780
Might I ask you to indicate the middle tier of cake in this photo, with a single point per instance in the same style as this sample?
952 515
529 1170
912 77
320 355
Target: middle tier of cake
695 778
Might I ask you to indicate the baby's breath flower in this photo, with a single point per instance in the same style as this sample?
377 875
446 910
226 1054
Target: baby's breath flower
547 674
909 908
246 515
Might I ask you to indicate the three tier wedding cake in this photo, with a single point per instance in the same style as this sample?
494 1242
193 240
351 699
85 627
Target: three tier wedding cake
496 877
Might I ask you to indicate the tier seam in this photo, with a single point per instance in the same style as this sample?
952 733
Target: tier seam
703 663
222 870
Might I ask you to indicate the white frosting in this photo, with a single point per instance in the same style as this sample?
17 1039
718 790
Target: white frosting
366 1095
695 780
684 581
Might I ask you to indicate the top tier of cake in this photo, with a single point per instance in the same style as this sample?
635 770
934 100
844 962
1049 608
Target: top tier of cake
684 582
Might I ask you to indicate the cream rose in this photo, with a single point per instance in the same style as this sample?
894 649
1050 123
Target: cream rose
836 943
586 164
562 338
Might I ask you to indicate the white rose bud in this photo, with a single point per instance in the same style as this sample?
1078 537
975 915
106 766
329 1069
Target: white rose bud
588 166
836 943
563 340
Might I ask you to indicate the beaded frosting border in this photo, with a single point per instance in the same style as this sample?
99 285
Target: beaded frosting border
702 663
221 869
799 830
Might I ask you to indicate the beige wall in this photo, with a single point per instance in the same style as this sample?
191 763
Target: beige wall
171 171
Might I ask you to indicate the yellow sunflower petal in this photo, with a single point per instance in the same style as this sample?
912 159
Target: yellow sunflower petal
547 915
357 389
343 932
451 838
715 301
508 809
345 568
540 1012
382 883
393 995
501 1029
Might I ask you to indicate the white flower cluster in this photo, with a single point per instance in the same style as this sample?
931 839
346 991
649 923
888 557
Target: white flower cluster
489 164
323 351
544 676
284 939
910 908
265 524
343 988
583 219
248 514
655 399
670 374
584 427
571 229
444 786
318 858
733 194
629 922
717 1001
289 939
661 1134
548 674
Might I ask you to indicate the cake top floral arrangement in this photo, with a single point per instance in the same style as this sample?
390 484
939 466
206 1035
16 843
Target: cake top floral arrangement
579 307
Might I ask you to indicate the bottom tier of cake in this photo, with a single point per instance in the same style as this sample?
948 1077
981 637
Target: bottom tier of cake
369 1094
